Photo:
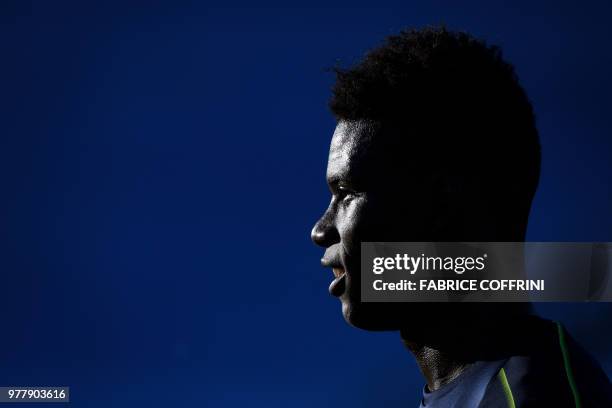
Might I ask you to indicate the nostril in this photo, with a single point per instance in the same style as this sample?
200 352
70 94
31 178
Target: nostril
315 234
324 235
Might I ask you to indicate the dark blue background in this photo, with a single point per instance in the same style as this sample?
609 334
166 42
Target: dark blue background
163 162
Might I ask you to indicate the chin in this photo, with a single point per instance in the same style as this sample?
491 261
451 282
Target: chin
372 316
392 316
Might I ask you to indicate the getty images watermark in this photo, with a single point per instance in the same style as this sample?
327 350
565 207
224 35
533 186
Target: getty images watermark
485 271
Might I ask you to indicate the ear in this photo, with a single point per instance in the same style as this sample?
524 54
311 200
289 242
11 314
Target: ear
447 191
463 210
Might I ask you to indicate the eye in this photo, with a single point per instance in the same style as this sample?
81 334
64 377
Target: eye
345 192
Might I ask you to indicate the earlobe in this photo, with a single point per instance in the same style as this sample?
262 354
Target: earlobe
446 206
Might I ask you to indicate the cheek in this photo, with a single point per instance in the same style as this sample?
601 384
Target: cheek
353 220
395 218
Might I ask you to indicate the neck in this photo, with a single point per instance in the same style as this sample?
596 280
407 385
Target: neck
462 344
438 367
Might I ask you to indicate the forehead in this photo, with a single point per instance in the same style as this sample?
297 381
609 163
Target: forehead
352 149
351 146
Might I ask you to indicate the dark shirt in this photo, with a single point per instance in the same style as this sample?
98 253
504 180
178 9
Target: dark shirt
554 371
466 390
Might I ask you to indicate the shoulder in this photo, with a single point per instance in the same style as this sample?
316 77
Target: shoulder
556 371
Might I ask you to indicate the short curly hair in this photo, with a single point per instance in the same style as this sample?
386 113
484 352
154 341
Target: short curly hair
455 94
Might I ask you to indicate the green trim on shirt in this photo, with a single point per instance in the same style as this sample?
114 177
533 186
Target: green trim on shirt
506 386
568 366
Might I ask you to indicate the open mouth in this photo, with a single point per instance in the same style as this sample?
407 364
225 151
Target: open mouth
338 285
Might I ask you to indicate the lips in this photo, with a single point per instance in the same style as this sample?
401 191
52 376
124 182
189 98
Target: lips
338 285
333 259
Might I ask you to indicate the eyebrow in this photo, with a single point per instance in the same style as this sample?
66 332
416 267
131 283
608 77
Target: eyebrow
335 181
332 182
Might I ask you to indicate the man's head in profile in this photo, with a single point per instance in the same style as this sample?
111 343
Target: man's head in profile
435 141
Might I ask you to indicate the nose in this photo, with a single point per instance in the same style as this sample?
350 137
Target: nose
324 232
